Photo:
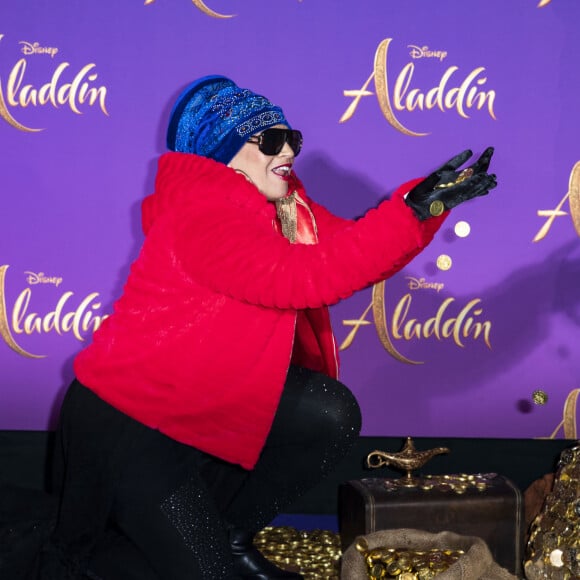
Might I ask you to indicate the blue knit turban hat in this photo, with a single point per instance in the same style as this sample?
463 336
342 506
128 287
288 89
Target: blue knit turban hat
213 117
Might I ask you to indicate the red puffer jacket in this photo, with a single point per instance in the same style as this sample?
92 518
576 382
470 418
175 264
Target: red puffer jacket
199 344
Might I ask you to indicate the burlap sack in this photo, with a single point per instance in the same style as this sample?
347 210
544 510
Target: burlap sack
476 564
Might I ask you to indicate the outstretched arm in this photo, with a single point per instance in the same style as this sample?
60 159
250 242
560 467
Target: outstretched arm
226 249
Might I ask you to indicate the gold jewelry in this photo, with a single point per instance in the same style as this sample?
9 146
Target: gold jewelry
288 216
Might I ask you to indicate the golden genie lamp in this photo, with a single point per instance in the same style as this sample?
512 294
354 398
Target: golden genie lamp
407 460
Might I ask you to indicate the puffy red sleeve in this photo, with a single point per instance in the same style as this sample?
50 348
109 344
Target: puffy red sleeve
327 222
237 253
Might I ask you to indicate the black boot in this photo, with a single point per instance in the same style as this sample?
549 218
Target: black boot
250 564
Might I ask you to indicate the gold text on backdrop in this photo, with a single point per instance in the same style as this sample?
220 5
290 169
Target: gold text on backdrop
402 326
417 52
63 318
79 91
573 197
29 48
446 96
199 4
422 284
34 278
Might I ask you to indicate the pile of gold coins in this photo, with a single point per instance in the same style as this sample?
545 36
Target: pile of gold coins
458 484
553 551
406 564
315 554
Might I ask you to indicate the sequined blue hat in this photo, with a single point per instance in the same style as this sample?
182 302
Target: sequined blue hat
213 117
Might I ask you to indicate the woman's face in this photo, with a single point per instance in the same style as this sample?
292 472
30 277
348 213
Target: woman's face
269 173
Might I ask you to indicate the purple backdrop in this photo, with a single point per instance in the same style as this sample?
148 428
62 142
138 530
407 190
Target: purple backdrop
383 91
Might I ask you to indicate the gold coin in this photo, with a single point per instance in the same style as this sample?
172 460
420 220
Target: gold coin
444 262
394 569
540 397
404 564
445 185
387 557
436 208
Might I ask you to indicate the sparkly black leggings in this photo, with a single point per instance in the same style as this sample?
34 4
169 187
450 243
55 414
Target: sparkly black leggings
137 504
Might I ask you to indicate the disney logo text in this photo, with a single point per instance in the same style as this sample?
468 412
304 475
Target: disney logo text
421 284
424 52
35 48
41 278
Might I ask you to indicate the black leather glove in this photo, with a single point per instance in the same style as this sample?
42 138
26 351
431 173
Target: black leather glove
446 187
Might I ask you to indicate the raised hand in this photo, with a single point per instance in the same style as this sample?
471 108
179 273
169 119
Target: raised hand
447 187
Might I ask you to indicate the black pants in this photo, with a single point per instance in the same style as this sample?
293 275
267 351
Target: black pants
137 504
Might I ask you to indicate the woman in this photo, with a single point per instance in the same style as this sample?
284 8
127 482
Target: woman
208 401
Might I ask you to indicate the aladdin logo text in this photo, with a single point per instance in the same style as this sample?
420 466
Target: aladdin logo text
63 87
453 92
466 324
70 315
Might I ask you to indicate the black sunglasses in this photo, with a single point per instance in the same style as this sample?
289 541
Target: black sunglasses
271 141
